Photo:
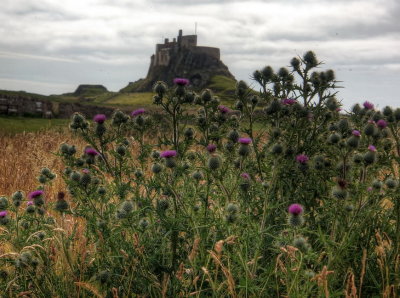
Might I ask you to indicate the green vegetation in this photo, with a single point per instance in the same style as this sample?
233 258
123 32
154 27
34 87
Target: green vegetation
13 125
223 87
132 99
308 206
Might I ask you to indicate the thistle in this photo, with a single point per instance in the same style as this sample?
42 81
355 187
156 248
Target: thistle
296 215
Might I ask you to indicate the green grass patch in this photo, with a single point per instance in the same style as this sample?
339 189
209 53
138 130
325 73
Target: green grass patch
14 125
223 87
132 99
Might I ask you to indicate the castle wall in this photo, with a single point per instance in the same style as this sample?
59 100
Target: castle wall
163 57
189 41
213 52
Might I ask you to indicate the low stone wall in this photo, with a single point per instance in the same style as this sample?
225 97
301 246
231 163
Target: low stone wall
27 106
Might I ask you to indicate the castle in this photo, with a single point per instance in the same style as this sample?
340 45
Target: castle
181 57
164 51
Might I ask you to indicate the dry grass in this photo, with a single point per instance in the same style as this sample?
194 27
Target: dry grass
22 156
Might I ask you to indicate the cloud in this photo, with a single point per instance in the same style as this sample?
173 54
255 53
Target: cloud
53 39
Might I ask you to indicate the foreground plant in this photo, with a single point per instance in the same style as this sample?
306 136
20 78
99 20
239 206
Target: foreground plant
281 194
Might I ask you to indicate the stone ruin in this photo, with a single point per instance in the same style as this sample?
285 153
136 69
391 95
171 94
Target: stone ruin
15 105
25 106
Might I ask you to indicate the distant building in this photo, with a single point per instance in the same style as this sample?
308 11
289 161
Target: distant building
181 57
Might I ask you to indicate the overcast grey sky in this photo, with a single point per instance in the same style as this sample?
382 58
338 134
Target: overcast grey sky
51 46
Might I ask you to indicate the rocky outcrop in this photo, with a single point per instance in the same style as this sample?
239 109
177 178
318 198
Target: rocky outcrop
89 90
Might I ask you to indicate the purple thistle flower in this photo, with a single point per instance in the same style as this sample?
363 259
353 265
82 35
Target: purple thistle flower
168 153
99 118
369 189
381 123
91 152
211 148
288 101
181 81
29 203
35 194
372 148
245 176
295 209
138 112
368 105
3 213
356 133
223 109
85 171
302 158
244 141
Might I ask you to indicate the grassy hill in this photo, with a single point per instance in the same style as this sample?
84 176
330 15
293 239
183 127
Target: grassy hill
98 95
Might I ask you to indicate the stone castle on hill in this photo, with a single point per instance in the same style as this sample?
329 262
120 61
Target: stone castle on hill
181 57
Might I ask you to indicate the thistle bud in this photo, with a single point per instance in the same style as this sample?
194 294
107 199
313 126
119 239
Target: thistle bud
267 73
295 63
369 157
101 191
332 104
397 114
127 206
214 162
121 150
162 205
3 203
377 185
42 179
343 125
61 204
197 175
244 150
75 176
233 136
206 96
391 183
369 129
274 107
257 76
232 208
156 168
85 179
334 138
143 223
301 244
160 87
17 198
100 129
387 111
353 141
189 133
310 59
277 149
119 118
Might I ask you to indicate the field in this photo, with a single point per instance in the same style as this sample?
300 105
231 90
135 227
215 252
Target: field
275 194
13 125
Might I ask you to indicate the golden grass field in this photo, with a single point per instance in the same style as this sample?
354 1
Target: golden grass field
23 155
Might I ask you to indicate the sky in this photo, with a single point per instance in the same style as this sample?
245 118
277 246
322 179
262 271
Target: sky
52 46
